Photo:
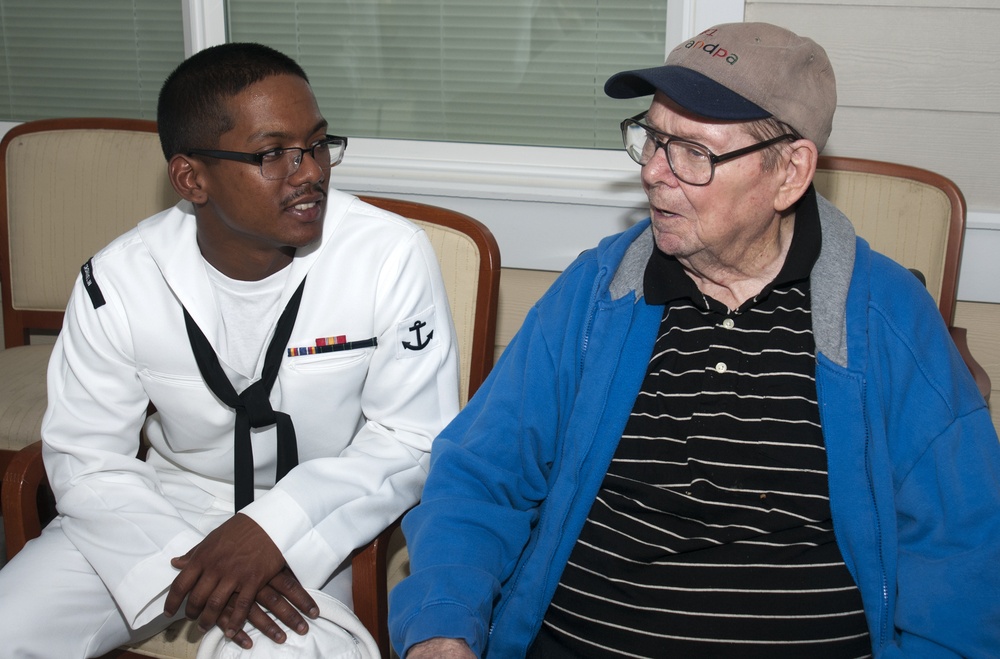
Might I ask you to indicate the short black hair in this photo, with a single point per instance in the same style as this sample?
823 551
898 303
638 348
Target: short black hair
191 112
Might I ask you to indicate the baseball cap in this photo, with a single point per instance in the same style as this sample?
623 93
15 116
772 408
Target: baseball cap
744 72
335 634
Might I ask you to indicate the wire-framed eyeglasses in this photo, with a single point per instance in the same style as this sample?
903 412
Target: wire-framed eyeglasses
278 164
690 162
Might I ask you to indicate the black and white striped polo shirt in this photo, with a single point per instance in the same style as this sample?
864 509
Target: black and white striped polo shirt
711 535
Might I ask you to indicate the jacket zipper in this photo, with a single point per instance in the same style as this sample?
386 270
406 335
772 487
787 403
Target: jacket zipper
884 611
595 297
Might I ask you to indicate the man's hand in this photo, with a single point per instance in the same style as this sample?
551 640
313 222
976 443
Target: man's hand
441 648
275 597
235 568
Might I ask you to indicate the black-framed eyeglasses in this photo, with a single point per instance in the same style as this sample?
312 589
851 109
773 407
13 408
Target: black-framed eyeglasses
279 164
690 162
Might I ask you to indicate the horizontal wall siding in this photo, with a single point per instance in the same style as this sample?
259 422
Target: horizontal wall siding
917 138
915 83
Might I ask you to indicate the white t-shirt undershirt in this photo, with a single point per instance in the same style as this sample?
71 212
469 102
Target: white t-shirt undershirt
248 310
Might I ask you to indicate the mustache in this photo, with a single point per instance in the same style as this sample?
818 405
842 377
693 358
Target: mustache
316 188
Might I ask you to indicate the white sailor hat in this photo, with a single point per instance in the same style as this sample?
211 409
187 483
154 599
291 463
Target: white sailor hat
335 634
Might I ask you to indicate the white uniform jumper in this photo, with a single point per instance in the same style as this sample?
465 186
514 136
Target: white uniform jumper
369 377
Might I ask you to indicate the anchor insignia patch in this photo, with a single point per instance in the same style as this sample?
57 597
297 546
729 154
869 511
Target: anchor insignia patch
415 334
418 344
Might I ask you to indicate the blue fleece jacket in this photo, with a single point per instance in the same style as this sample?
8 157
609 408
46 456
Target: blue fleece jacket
914 461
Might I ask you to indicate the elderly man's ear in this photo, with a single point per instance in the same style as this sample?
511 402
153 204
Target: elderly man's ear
800 166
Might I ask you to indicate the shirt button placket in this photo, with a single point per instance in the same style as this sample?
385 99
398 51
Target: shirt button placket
721 367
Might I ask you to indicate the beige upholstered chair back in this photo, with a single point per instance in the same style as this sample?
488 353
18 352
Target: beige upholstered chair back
72 185
914 216
459 258
470 265
67 188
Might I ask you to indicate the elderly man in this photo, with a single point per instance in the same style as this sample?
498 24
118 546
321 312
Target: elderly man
732 430
267 318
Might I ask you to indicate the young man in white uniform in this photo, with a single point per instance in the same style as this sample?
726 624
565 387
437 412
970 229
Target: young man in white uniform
330 319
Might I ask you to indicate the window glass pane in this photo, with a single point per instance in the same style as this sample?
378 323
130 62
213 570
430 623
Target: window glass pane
94 58
527 72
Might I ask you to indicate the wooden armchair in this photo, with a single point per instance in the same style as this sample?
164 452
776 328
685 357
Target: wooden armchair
466 250
913 216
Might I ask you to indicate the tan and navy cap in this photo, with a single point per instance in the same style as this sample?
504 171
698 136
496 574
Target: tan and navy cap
744 72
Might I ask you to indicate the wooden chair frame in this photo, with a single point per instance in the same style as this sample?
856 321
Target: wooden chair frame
24 480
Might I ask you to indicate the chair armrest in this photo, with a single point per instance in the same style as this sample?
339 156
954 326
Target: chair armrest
21 482
370 588
960 336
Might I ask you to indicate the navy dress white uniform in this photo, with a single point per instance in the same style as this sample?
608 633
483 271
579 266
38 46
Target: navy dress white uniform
369 377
